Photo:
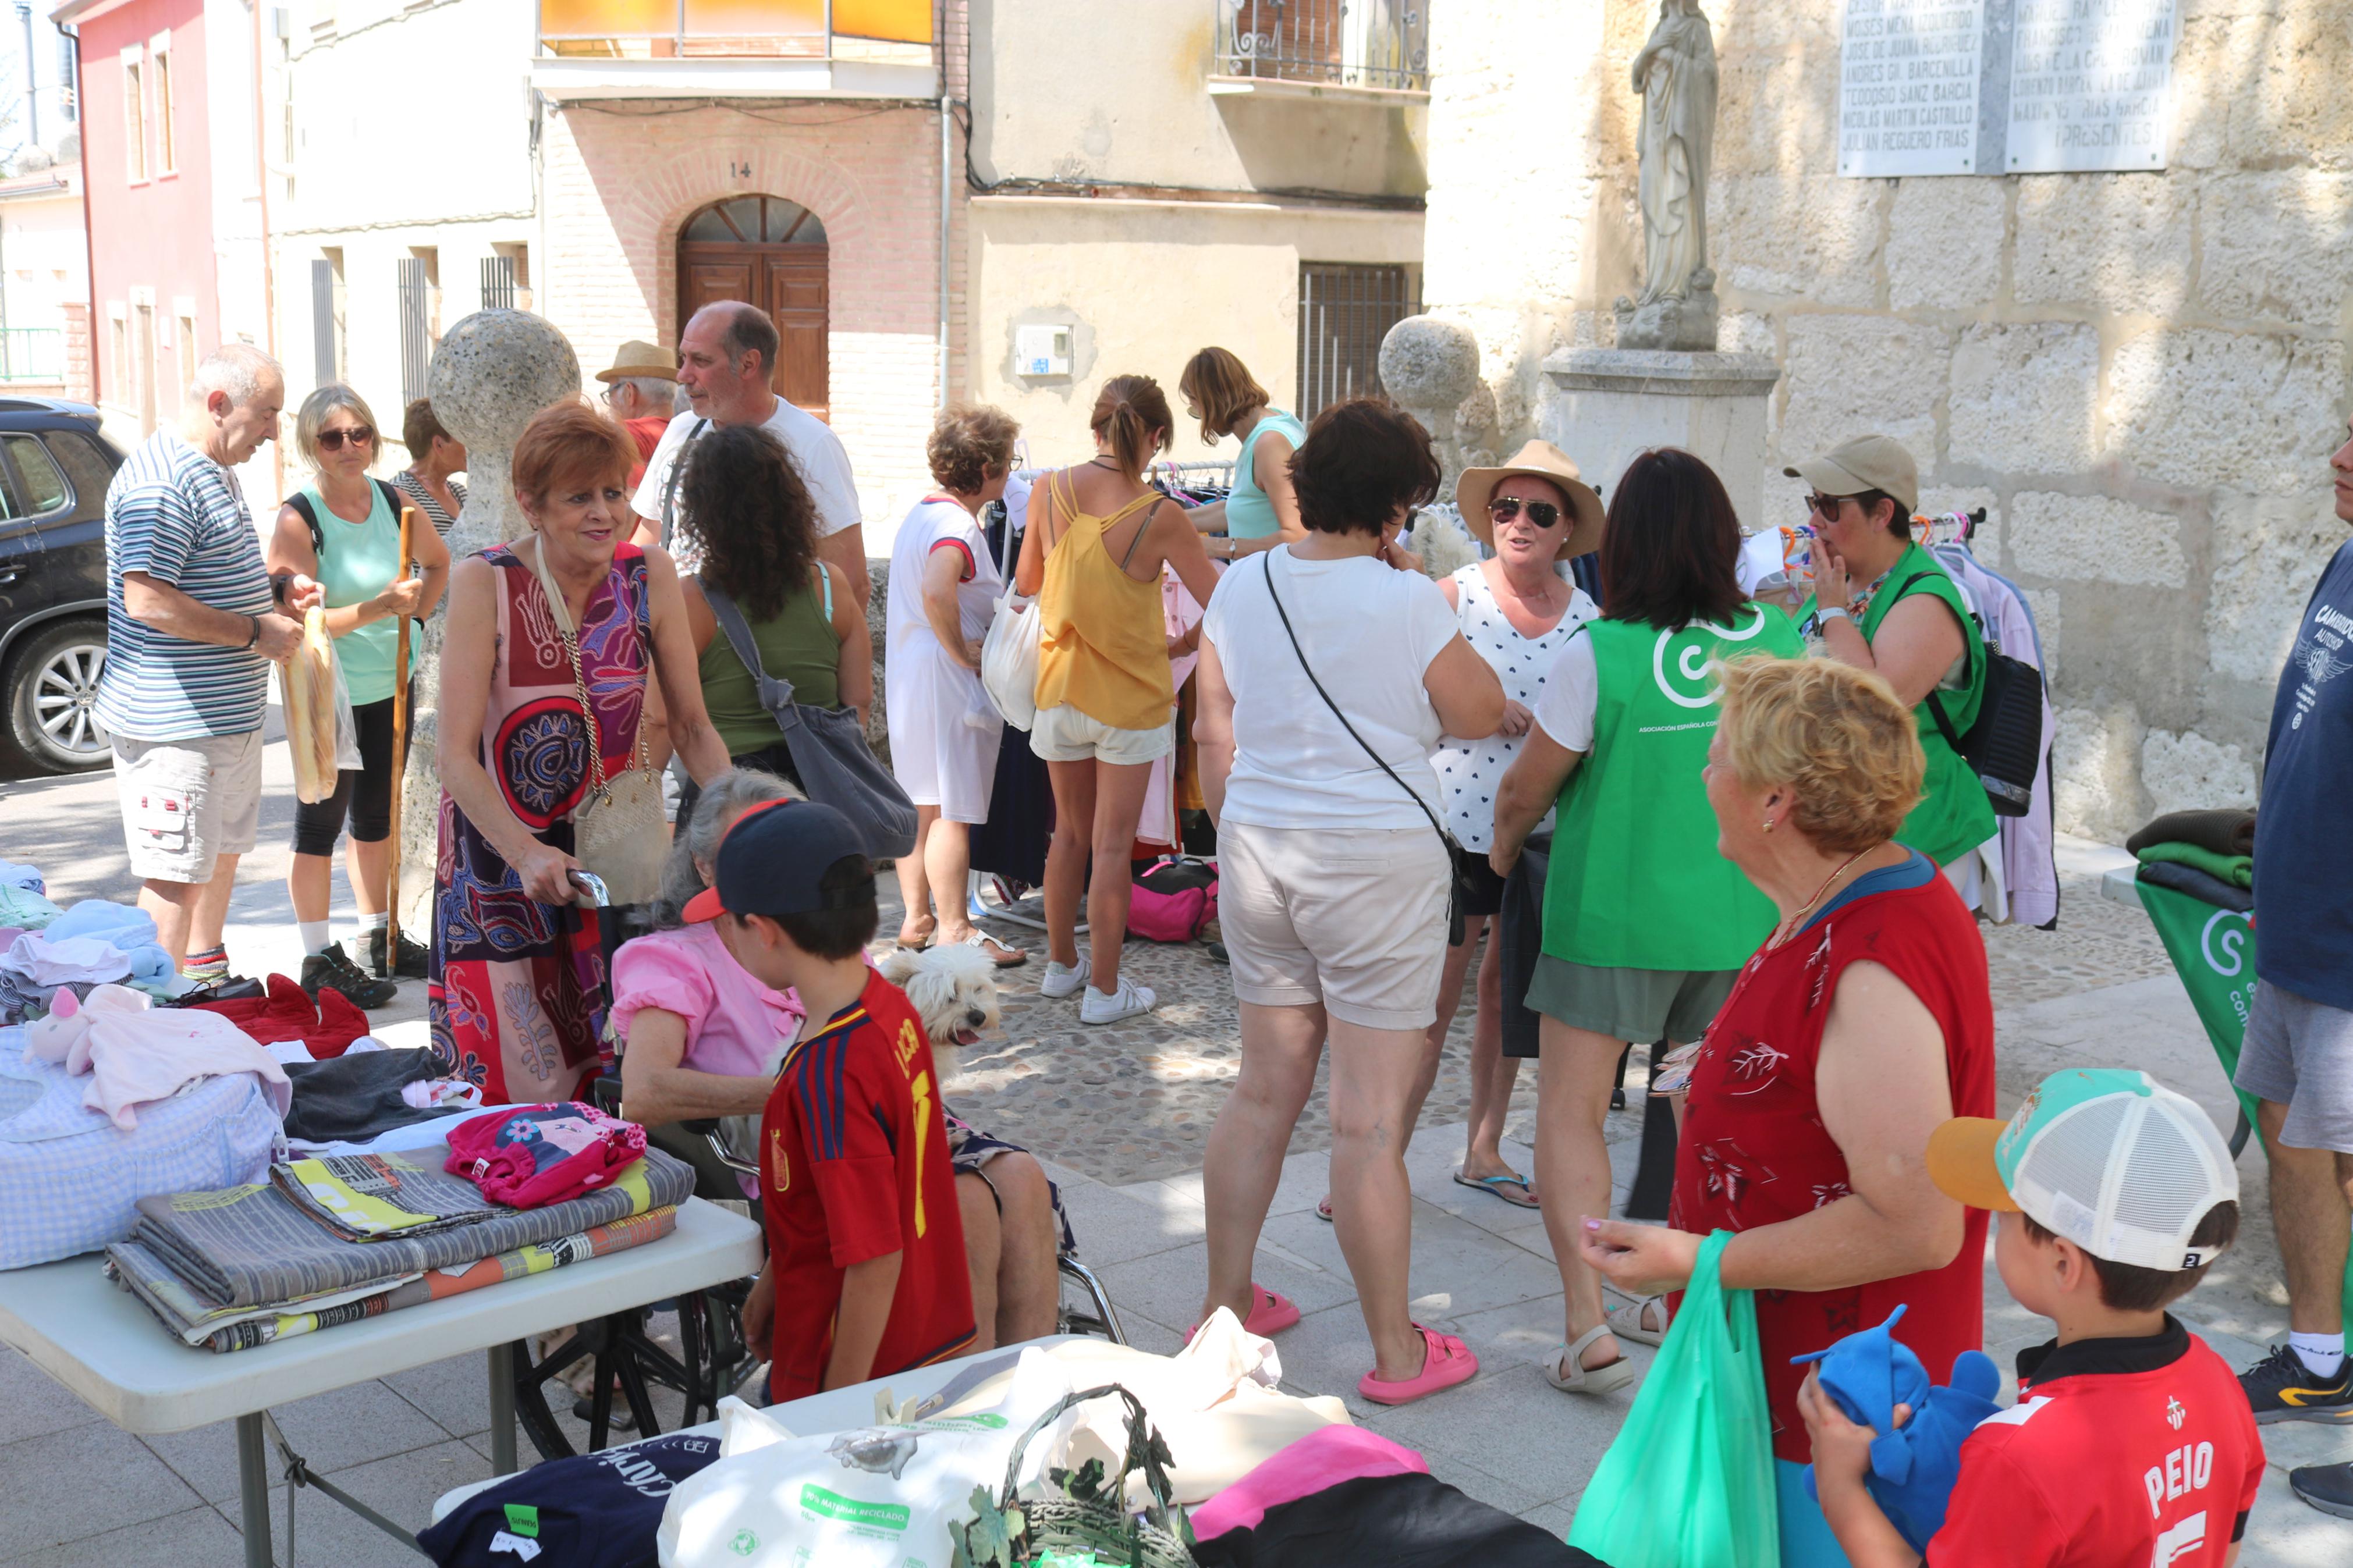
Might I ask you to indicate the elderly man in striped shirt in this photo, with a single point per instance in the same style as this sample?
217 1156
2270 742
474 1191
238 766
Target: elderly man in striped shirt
192 623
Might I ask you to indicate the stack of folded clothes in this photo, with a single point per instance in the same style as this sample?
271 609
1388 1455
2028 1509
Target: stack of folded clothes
330 1240
2208 854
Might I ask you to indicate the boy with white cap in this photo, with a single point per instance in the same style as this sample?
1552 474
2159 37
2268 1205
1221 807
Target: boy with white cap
2130 1445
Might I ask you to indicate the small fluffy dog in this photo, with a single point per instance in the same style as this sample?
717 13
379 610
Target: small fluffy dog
955 990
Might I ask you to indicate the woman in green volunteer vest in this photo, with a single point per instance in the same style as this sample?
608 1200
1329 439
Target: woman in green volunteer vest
1882 603
343 529
1645 924
1263 511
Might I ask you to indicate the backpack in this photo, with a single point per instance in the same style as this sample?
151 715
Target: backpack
2004 747
302 504
1172 899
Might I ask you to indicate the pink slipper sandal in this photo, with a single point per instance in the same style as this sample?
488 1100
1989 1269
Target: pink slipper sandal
1271 1313
1446 1361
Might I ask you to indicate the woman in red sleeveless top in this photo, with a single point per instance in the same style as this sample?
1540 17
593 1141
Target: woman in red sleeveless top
1862 1022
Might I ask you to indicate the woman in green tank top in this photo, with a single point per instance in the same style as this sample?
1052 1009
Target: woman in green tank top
1261 511
758 527
1882 603
1645 924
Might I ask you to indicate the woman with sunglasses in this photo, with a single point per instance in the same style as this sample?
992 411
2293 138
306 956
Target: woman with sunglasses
343 529
1646 924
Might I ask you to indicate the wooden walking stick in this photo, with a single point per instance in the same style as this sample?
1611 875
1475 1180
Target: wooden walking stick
399 756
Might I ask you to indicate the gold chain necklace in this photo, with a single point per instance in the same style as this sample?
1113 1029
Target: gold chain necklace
1793 923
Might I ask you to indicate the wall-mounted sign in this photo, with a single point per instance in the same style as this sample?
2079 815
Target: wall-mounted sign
2090 85
1908 75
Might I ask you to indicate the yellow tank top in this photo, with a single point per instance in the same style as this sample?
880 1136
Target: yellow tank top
1104 638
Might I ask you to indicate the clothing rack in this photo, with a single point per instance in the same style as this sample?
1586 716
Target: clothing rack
1946 527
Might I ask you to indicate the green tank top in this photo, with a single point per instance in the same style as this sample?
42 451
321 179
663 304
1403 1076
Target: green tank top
1636 881
1954 816
357 560
1248 514
798 646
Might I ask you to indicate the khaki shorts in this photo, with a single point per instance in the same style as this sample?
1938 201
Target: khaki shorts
185 803
1064 734
1352 917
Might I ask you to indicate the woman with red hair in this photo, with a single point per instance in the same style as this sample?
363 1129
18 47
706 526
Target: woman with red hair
515 979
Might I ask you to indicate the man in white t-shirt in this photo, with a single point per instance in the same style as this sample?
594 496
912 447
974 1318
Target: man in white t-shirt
726 363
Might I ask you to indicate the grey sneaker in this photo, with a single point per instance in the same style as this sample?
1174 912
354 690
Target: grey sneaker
1130 1001
1058 981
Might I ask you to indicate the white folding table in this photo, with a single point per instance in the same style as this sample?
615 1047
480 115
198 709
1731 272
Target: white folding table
117 1357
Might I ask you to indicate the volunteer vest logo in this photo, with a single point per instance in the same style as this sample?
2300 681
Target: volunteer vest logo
1692 682
2225 951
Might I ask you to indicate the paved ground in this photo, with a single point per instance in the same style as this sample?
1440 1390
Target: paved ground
1121 1115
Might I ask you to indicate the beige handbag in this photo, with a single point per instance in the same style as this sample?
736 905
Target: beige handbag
618 831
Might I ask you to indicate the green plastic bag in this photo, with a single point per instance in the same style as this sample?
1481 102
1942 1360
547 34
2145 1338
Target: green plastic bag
1689 1482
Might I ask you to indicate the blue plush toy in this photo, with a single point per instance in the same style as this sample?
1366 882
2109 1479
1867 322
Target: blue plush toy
1913 1467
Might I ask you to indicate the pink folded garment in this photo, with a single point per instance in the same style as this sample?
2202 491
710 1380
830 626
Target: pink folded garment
135 1054
1317 1462
542 1154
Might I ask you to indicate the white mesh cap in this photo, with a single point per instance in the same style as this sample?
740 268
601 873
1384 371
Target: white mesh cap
2119 1164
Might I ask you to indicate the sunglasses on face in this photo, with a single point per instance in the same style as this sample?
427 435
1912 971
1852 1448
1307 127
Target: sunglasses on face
333 440
1541 513
1826 506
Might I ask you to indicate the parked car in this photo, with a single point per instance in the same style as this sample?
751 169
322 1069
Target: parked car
54 466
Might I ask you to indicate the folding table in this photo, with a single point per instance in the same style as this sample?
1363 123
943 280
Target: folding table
118 1359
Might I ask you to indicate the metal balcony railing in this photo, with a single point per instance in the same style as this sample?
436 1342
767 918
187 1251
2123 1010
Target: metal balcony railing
32 354
726 29
1378 43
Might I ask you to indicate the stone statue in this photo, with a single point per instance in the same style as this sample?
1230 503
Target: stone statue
490 373
1676 76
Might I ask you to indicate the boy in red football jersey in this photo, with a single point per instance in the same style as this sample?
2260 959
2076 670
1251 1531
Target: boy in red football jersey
2131 1444
866 1269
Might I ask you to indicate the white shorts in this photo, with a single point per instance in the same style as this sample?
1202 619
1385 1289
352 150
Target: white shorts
1354 919
1066 735
185 803
938 757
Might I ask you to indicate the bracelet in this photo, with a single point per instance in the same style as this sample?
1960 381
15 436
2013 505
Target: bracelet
252 641
1833 612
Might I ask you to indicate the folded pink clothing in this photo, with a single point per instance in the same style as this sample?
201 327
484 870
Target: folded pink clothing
542 1154
1317 1462
135 1054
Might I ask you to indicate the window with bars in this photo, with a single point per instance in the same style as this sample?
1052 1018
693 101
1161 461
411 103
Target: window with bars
327 317
498 282
1344 311
418 285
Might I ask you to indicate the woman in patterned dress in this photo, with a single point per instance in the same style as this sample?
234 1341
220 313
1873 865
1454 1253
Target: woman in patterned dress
516 982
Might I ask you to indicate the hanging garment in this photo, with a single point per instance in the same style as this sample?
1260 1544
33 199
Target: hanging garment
135 1054
2029 864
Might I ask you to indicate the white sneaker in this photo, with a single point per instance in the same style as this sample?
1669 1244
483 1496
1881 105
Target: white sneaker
1130 1001
1060 981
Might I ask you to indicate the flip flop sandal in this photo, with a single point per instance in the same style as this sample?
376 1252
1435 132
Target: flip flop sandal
1005 956
1446 1361
1323 1208
1270 1312
1632 1320
1495 1185
1567 1371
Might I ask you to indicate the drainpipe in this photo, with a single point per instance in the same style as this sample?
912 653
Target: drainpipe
32 76
940 31
88 245
261 201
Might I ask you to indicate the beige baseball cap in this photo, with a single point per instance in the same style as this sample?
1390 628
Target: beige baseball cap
1865 463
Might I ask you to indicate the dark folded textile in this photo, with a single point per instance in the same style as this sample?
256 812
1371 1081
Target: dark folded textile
593 1510
2225 832
1398 1521
355 1098
2190 879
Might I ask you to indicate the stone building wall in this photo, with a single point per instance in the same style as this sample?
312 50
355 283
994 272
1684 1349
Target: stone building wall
2140 375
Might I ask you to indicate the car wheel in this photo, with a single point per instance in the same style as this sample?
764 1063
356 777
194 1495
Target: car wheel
52 694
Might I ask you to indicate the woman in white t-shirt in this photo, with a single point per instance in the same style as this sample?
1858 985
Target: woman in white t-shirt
944 733
1334 880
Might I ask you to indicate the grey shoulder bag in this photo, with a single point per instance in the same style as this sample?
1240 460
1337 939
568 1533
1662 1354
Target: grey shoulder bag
828 750
1457 885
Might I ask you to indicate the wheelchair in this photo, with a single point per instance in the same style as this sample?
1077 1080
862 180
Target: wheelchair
713 1359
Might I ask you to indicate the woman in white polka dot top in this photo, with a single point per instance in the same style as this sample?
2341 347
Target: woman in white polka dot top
1517 610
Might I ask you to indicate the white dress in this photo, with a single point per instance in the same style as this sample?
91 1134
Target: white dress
1467 771
944 733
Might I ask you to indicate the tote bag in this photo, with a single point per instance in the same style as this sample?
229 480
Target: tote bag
1689 1482
1008 650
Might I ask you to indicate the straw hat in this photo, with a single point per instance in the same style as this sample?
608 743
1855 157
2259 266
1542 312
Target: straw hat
1545 461
635 358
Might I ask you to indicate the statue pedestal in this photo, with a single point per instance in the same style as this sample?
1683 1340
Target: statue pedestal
1611 403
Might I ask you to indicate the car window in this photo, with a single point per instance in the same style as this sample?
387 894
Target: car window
43 488
88 468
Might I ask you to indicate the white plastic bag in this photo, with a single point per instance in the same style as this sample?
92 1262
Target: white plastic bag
885 1496
1008 659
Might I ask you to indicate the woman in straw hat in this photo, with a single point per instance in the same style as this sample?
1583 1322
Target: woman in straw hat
1645 924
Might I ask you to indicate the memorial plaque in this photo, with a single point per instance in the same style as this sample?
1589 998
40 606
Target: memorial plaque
2090 85
1908 74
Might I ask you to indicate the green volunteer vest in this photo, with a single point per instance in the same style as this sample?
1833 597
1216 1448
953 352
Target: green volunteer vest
1635 880
1954 816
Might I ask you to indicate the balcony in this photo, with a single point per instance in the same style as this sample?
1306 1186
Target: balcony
33 355
734 48
1368 51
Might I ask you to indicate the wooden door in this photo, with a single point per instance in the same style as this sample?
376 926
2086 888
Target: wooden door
772 253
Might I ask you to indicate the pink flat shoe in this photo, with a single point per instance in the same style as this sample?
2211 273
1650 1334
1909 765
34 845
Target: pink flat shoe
1270 1314
1446 1361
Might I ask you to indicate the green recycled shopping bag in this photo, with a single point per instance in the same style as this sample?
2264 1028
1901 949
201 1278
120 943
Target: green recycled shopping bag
1689 1482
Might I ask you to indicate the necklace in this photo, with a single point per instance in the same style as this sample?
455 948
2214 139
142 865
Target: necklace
1789 926
1102 463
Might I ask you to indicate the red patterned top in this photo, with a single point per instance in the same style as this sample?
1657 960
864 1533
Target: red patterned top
1754 1151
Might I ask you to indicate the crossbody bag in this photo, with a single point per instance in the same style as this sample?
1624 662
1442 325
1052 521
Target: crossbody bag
1458 886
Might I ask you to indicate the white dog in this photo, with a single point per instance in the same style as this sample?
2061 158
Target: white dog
955 990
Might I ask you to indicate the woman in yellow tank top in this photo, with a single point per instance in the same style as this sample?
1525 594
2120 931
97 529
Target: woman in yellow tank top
1098 537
